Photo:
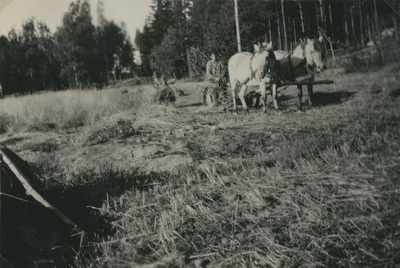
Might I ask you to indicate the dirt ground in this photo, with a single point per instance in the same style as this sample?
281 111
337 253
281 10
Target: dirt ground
156 137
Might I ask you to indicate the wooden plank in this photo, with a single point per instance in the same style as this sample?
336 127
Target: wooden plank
320 82
304 77
30 191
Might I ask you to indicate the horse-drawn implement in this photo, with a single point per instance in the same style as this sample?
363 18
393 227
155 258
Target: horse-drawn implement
253 92
318 82
280 68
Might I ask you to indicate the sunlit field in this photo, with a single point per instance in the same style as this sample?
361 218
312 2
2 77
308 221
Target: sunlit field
183 185
65 109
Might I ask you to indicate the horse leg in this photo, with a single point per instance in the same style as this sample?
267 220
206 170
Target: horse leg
300 95
241 96
263 95
233 92
274 95
256 101
310 95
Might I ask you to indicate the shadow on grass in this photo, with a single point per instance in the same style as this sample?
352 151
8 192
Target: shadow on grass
13 140
395 93
289 103
88 202
282 97
327 98
37 237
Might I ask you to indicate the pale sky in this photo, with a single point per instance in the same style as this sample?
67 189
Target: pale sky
13 13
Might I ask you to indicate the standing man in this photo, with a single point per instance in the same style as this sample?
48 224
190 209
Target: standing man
213 77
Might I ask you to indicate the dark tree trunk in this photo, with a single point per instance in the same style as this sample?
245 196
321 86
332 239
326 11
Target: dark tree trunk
284 25
378 32
352 26
269 30
237 26
301 17
396 30
330 19
294 32
346 28
279 29
361 24
369 28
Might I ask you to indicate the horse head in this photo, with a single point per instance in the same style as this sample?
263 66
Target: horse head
260 60
313 52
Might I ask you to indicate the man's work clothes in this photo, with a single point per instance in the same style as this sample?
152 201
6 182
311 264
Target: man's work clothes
213 71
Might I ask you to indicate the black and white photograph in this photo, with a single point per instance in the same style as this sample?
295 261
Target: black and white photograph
200 133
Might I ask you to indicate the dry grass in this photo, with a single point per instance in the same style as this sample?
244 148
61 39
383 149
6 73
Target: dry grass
313 189
68 109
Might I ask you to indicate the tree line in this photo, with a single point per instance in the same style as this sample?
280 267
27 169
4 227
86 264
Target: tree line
178 37
77 55
181 34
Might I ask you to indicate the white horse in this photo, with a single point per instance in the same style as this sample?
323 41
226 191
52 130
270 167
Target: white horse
296 66
249 70
309 50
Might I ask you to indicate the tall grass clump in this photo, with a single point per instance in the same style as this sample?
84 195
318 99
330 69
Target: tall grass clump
5 122
67 109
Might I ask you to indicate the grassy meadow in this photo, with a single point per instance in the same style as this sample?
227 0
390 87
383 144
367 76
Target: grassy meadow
189 186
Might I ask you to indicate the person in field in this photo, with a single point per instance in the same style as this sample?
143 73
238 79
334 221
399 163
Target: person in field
164 94
213 69
213 77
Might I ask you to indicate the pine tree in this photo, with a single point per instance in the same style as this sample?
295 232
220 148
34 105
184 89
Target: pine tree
75 41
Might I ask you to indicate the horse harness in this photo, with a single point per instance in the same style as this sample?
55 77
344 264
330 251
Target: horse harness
275 75
252 72
291 75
